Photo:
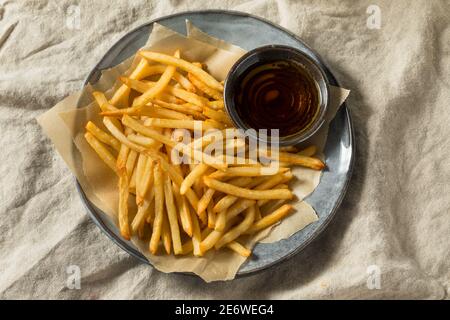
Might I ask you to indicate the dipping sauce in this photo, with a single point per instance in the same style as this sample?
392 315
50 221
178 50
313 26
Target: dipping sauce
278 95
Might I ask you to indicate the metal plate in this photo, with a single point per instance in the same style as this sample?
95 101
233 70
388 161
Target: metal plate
249 32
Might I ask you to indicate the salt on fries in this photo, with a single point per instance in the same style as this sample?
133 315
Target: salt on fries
181 208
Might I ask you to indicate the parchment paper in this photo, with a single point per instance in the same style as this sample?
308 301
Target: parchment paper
100 184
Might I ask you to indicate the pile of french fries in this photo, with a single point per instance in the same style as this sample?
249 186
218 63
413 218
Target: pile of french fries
188 208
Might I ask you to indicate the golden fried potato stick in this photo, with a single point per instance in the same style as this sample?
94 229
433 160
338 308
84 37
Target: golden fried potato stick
270 219
239 249
219 116
216 104
159 86
196 235
148 110
146 181
205 200
139 173
193 176
258 214
143 212
132 184
131 162
172 216
101 151
217 95
123 218
166 235
297 159
123 156
144 141
159 208
102 136
211 216
246 171
215 124
183 208
184 65
236 231
180 124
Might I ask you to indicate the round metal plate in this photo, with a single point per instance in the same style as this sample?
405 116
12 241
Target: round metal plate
248 32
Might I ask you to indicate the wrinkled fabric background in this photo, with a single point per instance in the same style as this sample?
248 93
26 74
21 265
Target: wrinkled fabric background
396 213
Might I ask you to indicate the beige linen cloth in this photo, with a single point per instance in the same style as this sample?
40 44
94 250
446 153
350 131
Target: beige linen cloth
393 225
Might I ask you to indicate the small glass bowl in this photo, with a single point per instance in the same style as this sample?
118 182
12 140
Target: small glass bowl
274 53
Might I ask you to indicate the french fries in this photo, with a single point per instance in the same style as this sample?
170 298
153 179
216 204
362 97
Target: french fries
212 202
247 193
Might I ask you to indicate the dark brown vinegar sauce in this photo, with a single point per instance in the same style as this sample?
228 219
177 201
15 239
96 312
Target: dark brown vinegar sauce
278 95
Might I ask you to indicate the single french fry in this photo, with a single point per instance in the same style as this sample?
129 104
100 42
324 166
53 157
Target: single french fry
148 110
219 116
216 104
151 209
215 124
132 185
236 231
258 214
196 235
261 203
144 141
185 215
139 174
239 249
246 171
205 200
247 193
194 175
159 208
102 136
184 65
301 160
215 94
122 157
131 162
270 219
211 216
172 216
180 124
159 86
101 151
123 218
166 235
143 212
146 181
